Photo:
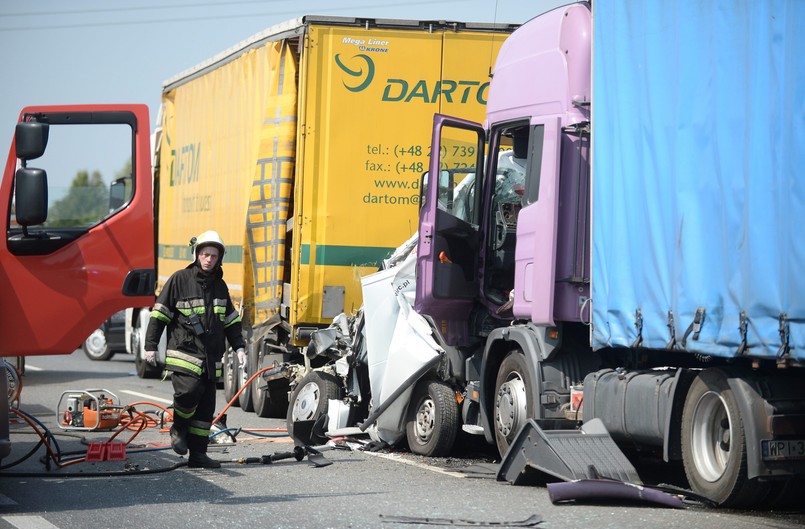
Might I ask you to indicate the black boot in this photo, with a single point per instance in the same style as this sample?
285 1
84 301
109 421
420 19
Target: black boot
179 439
201 460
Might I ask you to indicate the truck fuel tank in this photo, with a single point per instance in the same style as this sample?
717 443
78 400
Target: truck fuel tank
633 405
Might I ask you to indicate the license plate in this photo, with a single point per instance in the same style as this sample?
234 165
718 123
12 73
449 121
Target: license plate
782 449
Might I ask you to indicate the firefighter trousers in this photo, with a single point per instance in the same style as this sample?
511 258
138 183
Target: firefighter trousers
193 409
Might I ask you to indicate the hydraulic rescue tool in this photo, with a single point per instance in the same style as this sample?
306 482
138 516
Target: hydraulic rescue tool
299 453
88 410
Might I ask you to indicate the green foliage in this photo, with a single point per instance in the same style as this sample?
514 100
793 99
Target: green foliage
88 199
86 202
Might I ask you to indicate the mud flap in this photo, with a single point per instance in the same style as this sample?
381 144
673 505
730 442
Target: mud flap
305 432
536 455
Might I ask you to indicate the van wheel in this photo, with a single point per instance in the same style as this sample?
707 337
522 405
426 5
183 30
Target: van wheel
308 403
513 405
714 444
433 420
96 347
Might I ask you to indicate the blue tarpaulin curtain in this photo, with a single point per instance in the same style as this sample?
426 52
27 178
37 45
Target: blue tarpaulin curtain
699 174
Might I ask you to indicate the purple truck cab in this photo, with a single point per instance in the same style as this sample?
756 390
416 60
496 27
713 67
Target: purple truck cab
523 250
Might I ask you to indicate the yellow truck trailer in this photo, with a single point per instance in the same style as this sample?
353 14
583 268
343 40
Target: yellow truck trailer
304 146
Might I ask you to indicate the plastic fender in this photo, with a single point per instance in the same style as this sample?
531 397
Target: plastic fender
499 342
755 415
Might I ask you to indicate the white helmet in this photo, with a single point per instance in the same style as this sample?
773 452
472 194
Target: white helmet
208 238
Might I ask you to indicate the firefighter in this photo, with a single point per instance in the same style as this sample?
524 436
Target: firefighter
196 307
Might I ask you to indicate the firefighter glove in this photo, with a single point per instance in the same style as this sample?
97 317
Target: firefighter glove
151 358
242 358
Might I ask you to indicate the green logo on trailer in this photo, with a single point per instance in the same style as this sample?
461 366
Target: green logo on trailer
363 72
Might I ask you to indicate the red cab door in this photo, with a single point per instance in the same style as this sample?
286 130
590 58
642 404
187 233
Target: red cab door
84 248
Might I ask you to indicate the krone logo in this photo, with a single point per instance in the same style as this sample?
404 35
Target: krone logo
363 74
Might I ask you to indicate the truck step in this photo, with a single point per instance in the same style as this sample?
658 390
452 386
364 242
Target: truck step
536 455
473 429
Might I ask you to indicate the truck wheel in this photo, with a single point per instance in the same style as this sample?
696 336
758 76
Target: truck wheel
432 423
245 398
308 401
513 406
96 347
138 348
271 401
230 376
714 445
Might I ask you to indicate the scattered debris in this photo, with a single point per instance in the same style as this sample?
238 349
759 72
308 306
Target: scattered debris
598 490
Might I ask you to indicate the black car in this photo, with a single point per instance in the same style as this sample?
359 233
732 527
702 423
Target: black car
107 339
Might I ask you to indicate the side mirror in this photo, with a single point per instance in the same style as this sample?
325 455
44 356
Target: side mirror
423 188
31 196
31 139
117 194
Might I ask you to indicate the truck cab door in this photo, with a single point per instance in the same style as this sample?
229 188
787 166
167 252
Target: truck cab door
537 227
78 243
448 246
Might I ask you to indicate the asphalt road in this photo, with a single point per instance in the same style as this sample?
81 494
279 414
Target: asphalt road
359 489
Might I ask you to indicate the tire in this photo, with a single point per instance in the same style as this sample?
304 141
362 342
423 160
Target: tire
308 401
245 398
144 370
513 404
432 420
230 376
273 400
714 444
270 401
96 347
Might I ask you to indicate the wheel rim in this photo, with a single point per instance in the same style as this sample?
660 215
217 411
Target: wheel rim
306 403
229 373
711 436
13 383
510 405
96 343
425 420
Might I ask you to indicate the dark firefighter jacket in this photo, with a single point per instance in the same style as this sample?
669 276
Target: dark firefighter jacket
194 296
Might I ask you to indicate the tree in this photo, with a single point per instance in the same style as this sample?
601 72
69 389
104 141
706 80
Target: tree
86 202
